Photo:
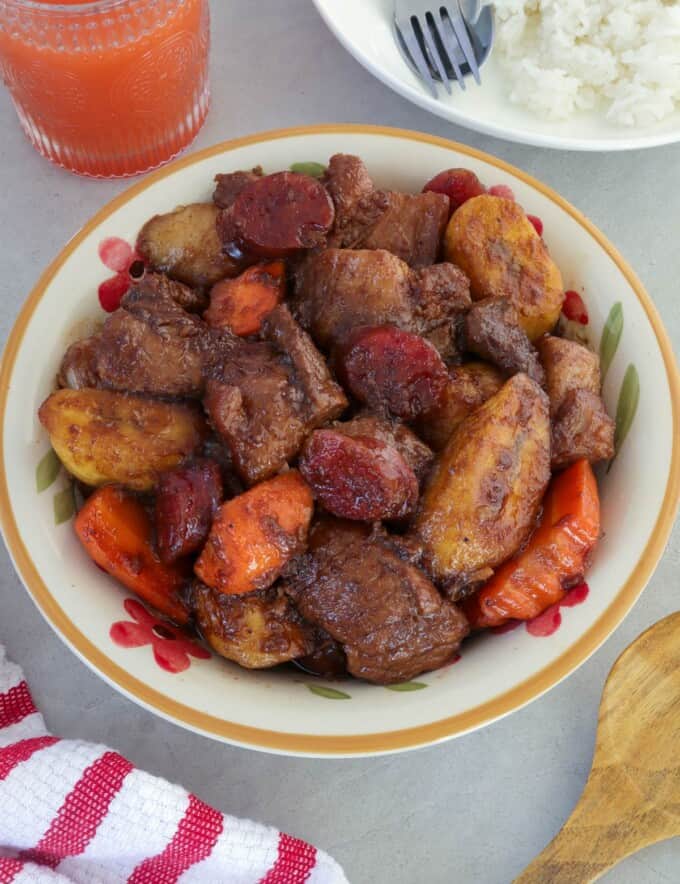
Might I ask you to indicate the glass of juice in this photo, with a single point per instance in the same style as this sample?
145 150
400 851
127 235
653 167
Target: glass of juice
109 87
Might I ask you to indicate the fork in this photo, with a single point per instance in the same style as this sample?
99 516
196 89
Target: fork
444 42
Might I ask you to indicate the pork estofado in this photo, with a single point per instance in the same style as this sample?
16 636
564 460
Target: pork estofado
329 424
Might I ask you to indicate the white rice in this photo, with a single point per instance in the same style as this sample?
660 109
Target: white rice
566 56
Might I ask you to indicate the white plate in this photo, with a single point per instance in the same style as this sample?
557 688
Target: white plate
276 710
364 27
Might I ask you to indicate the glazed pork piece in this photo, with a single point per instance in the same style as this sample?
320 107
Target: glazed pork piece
492 331
161 286
80 366
411 226
266 396
228 187
358 205
340 289
324 400
581 427
151 345
389 618
568 366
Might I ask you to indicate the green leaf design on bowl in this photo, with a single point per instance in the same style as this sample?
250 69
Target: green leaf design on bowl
47 471
407 686
611 335
627 405
329 693
315 170
64 505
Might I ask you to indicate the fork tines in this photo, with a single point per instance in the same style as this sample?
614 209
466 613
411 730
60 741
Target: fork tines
437 40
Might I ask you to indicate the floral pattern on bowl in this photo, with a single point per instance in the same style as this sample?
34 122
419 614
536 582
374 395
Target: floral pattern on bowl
119 256
172 648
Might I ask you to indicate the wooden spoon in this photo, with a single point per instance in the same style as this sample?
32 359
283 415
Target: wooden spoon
632 797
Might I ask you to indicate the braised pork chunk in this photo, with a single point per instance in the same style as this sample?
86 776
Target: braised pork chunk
358 204
391 621
267 396
340 289
492 331
581 427
151 345
228 187
411 226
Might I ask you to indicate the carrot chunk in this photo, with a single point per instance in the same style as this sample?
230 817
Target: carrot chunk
241 304
255 534
555 558
116 532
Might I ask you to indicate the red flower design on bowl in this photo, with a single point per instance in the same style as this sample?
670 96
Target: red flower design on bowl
574 308
172 648
119 256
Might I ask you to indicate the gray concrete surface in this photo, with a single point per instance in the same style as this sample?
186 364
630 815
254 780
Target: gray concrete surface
475 810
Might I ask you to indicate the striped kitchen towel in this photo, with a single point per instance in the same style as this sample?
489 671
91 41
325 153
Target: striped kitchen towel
75 812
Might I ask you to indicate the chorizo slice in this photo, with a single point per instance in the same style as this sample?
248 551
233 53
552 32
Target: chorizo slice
186 502
394 370
358 477
460 185
277 215
393 433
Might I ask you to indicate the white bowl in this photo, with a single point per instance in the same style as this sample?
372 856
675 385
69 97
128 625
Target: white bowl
364 27
277 710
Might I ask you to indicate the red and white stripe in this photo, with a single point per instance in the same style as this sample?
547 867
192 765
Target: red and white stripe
15 871
17 711
76 813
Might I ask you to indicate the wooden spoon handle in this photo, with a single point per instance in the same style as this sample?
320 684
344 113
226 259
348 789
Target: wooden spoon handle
568 859
610 822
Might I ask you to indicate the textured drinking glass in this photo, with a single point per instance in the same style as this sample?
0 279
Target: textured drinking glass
110 87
